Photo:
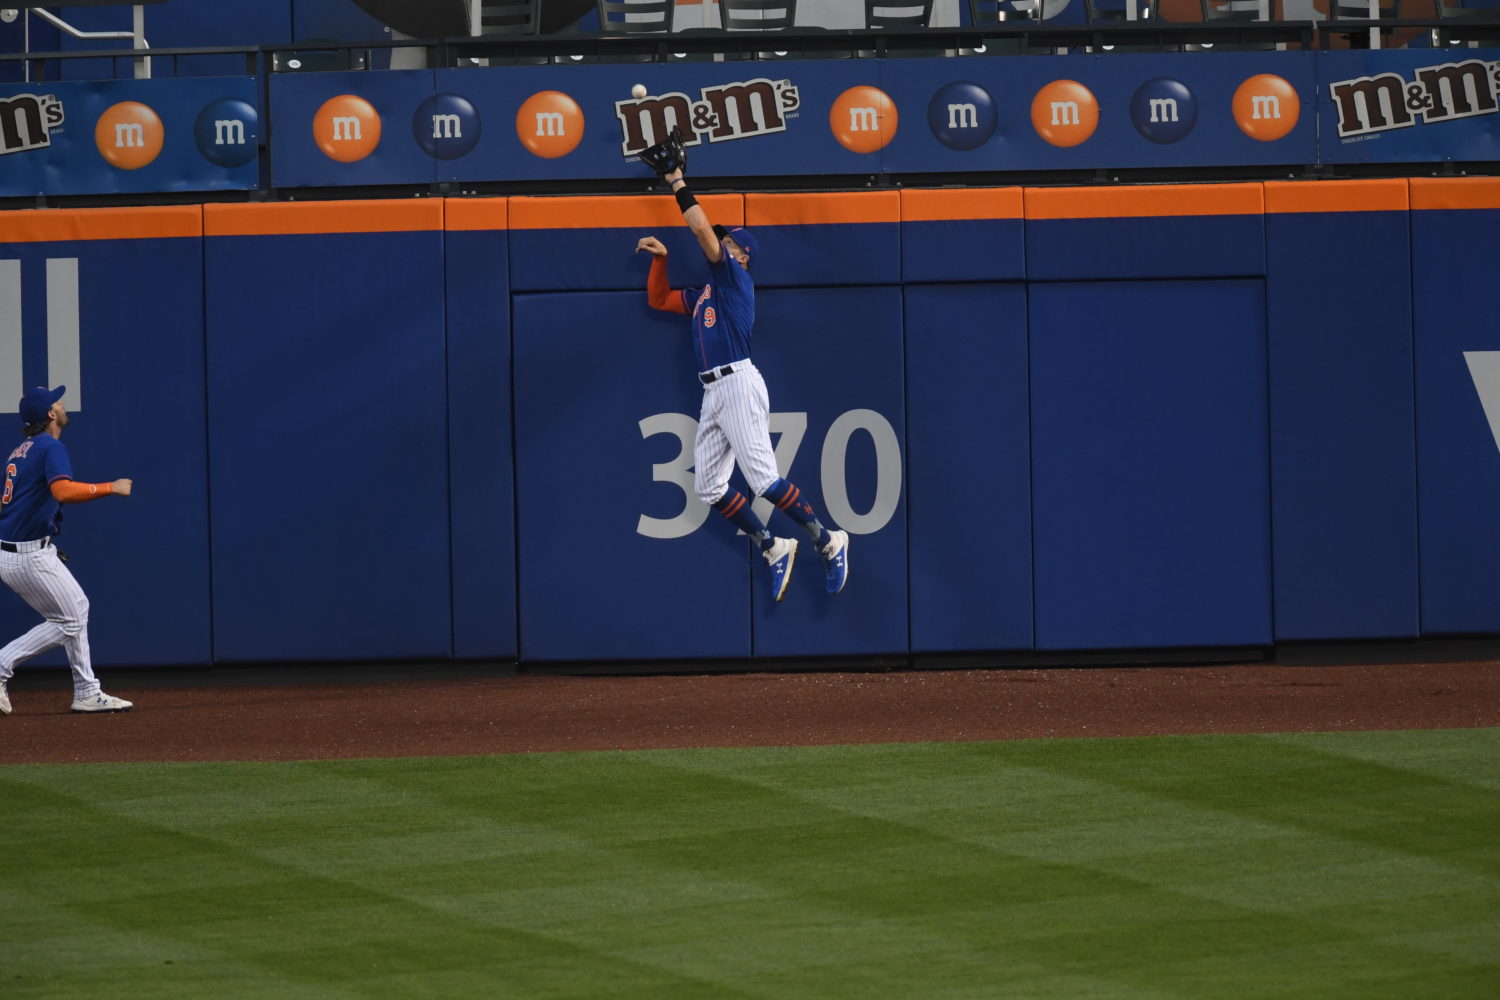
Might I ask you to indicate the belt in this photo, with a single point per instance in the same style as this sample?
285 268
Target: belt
714 374
41 543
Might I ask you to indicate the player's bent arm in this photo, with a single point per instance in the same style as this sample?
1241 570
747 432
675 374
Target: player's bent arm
651 245
67 491
659 291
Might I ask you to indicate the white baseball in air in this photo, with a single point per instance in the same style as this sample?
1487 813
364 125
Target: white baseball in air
638 91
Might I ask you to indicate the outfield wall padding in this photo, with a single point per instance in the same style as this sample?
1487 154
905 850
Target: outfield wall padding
1051 419
1343 428
328 431
1454 230
481 493
968 429
1149 464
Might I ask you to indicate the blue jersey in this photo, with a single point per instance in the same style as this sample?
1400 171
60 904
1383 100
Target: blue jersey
723 314
28 510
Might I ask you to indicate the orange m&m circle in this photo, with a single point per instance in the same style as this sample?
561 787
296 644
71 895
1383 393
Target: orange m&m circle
129 135
863 119
549 124
1064 113
346 128
1266 107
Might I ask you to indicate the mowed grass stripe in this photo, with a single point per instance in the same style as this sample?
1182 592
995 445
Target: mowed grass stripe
1317 865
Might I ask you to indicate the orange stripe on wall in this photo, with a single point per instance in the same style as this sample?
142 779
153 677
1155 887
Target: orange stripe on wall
475 214
42 225
949 205
1389 195
822 209
628 212
1145 201
1455 192
291 218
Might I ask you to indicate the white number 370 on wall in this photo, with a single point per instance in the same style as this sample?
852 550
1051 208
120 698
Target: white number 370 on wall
792 428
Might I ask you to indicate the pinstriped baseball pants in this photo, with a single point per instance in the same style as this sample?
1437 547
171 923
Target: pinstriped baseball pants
734 425
45 583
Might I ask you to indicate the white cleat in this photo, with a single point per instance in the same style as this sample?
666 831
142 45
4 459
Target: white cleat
781 555
102 702
836 554
4 699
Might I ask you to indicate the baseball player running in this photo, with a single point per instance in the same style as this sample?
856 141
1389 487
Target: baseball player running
39 477
734 424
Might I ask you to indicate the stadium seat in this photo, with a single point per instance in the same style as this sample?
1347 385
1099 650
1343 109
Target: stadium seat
635 17
757 15
900 14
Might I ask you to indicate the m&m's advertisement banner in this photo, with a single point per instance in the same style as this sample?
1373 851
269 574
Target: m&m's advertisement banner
1409 106
795 117
849 118
129 136
864 117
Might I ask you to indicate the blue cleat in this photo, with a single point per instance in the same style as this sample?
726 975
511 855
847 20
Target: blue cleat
781 555
836 554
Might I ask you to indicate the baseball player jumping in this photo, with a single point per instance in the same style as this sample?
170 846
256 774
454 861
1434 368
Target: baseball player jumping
734 424
39 477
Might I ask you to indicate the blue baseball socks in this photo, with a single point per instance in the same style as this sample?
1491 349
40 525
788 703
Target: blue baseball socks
788 500
736 509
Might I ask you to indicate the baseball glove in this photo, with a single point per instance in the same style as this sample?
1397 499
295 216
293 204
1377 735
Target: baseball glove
667 155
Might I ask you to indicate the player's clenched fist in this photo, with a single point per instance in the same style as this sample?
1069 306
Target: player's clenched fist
651 245
121 487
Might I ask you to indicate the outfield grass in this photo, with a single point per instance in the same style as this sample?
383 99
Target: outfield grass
1311 866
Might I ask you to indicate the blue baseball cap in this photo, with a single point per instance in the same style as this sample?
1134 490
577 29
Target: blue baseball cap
37 403
745 238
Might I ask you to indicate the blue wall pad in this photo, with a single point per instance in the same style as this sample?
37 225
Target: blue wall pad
969 467
963 250
1149 456
1209 246
1343 434
329 447
482 499
1458 465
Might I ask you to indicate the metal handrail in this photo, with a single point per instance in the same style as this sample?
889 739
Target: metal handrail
56 21
137 35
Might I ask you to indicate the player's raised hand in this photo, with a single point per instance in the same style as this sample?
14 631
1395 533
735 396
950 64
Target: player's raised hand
651 245
667 157
121 487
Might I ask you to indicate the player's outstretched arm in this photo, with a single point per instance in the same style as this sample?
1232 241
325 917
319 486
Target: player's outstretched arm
67 491
696 218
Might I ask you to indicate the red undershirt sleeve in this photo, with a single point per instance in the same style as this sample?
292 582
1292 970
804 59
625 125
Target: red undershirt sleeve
67 491
659 290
